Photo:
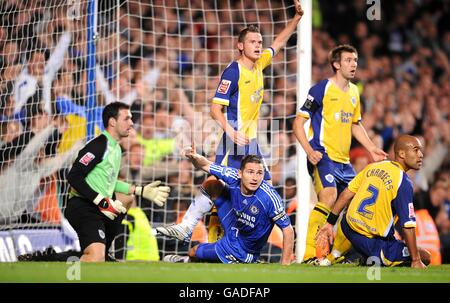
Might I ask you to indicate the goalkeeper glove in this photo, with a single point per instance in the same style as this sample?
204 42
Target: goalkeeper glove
109 207
153 192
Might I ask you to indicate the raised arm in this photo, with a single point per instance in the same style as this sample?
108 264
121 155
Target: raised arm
282 38
103 85
52 164
197 160
54 63
38 141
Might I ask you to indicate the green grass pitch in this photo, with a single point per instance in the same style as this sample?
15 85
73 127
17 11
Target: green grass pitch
211 273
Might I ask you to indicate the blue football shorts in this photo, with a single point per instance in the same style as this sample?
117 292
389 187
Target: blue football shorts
329 173
230 154
387 251
227 249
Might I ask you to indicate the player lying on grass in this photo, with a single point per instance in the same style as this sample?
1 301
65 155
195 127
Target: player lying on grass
248 207
378 194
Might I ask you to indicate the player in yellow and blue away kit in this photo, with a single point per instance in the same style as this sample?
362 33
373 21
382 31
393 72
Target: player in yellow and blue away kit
380 195
241 93
235 107
333 106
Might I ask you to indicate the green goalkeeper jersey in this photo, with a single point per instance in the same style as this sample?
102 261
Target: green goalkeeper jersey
96 169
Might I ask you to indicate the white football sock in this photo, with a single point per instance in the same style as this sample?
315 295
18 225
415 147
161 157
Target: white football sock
336 253
198 208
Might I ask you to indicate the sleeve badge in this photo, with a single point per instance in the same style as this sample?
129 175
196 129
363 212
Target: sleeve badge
224 86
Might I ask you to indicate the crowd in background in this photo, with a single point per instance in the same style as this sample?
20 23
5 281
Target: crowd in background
165 58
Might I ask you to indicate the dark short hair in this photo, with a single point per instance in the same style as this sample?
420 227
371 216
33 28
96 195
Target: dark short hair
250 29
112 111
250 159
335 53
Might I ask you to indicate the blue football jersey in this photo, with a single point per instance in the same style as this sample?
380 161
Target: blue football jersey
254 215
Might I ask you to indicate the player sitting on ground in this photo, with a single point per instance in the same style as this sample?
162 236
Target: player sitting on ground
376 195
248 207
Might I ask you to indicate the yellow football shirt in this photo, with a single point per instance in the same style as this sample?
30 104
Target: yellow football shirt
383 191
332 112
241 90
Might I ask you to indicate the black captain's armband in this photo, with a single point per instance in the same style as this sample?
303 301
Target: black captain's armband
310 104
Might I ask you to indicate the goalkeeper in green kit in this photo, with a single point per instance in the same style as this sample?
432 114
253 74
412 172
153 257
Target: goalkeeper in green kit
93 209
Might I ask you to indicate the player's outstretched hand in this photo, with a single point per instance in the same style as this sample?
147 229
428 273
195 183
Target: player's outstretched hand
418 264
190 153
187 152
153 192
325 236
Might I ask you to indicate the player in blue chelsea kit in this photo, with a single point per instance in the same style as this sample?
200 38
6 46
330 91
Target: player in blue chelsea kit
248 207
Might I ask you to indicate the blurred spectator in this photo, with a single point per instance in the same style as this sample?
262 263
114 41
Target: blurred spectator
9 129
39 73
155 148
359 158
37 121
23 175
441 196
134 171
136 242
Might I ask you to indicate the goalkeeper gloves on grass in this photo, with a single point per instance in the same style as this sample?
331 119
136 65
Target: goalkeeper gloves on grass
109 207
153 192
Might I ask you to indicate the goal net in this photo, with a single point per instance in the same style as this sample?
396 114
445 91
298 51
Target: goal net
62 61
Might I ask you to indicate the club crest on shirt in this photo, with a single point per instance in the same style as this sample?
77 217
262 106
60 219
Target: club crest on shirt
101 233
224 86
309 102
337 116
254 210
353 101
227 172
87 158
256 97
